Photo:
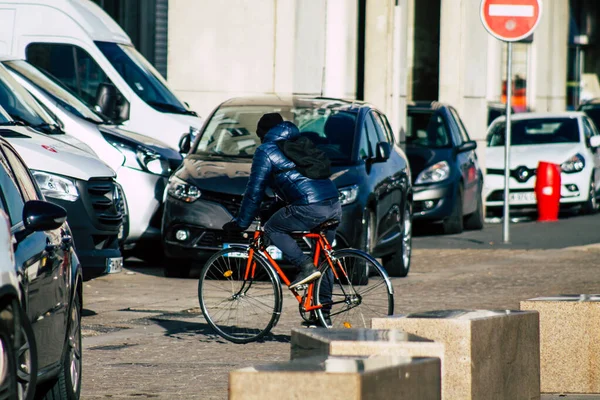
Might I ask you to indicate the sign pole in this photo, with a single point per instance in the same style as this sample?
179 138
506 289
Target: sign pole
506 219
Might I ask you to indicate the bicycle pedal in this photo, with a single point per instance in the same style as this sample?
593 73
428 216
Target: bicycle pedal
300 288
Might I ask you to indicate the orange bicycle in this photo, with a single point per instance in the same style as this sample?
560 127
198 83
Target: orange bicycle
241 296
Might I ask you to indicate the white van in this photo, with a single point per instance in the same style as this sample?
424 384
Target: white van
79 44
143 164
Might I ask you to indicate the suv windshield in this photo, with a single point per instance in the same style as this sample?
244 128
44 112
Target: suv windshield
231 131
536 131
141 76
426 129
51 87
20 105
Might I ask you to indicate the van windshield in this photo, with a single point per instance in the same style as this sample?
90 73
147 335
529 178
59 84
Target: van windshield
20 105
64 97
143 79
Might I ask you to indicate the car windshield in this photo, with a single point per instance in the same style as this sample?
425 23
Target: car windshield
143 79
231 131
20 104
51 87
535 131
593 111
426 129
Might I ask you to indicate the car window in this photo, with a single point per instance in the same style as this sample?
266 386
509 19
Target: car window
11 195
426 128
71 65
369 138
464 136
389 134
21 173
535 131
379 128
592 111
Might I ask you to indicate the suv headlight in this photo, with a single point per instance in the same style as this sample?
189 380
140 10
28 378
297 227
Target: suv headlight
434 174
181 190
139 157
573 164
348 194
56 187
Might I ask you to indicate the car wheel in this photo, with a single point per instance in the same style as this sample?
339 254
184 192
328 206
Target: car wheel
475 221
26 359
398 263
176 268
454 223
591 205
361 276
8 365
68 384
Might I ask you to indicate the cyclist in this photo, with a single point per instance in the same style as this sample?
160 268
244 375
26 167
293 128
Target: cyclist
309 202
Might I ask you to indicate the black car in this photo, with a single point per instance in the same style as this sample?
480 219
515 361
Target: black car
447 179
370 171
50 277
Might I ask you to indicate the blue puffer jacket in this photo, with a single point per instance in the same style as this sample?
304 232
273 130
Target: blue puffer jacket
291 186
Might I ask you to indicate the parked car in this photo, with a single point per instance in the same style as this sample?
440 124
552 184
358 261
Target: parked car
447 179
68 176
117 78
370 171
592 109
142 164
496 110
50 280
17 342
569 139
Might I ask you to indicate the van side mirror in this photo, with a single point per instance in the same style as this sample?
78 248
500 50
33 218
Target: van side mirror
383 151
595 142
467 146
185 143
106 99
43 216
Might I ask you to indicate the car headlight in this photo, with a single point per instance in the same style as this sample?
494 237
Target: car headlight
181 190
573 164
56 187
348 194
139 157
435 173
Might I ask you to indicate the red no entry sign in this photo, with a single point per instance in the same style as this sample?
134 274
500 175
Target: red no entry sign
510 20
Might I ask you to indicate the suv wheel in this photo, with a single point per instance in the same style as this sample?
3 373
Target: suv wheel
398 263
361 276
26 359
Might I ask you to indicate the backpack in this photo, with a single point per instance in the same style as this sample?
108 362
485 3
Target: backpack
310 161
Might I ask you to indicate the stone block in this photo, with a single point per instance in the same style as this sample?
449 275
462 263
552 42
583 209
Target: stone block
569 342
339 378
487 354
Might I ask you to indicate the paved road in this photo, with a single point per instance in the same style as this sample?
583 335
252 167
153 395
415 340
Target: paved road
567 232
144 336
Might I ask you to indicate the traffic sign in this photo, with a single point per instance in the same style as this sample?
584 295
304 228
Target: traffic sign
510 20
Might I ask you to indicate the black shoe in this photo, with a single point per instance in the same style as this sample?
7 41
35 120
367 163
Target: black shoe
314 322
308 273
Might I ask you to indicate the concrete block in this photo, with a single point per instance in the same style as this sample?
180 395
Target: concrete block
487 354
338 378
569 342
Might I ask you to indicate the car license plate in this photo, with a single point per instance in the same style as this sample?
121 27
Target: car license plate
523 197
272 250
114 265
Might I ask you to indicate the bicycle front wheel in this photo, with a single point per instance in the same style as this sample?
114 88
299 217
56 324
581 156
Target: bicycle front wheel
238 309
349 305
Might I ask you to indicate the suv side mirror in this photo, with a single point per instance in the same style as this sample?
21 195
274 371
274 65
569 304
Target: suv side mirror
383 151
595 142
467 146
43 216
185 143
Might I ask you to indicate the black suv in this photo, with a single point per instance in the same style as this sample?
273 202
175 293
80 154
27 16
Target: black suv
447 179
370 171
50 277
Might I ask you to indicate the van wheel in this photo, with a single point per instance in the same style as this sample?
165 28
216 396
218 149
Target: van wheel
68 384
454 223
398 263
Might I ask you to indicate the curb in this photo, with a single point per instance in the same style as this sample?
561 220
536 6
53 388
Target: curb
587 247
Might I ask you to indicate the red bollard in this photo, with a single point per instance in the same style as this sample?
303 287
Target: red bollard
547 191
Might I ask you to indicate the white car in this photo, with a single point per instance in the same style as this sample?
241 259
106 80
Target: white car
569 139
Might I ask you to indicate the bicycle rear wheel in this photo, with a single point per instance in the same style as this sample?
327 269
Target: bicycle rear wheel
239 310
349 305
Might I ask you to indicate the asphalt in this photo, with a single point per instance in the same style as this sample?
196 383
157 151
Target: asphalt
568 231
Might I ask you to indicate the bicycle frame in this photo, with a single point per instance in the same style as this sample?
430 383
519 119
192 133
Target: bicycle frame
322 246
